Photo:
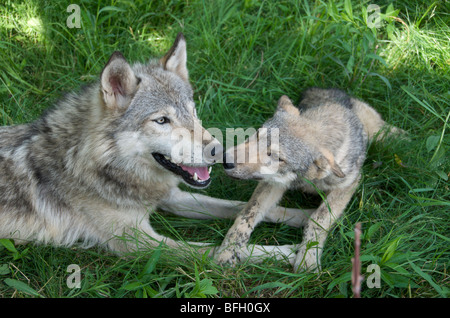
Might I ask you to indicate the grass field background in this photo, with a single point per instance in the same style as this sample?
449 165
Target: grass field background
242 56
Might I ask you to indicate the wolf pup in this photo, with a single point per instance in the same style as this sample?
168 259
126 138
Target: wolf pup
92 168
320 145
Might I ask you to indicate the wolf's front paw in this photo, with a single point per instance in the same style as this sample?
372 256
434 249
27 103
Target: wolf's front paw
306 260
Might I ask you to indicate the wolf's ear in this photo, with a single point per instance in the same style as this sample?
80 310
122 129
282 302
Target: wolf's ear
118 82
285 104
176 58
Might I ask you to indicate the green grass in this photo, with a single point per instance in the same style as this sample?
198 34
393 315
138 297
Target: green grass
242 56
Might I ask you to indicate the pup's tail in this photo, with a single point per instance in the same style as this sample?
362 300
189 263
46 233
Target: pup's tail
376 128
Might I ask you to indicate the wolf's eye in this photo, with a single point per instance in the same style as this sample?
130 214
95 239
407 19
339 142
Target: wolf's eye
162 120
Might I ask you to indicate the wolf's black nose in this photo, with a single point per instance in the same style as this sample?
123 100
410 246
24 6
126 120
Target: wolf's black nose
227 165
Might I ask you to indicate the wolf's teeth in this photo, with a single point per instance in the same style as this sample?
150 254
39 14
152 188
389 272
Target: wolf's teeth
195 177
167 158
209 170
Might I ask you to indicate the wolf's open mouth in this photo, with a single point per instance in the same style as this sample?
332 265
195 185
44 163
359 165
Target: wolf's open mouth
195 176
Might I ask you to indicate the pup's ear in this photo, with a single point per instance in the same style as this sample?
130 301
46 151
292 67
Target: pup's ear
118 82
176 58
323 164
326 162
285 104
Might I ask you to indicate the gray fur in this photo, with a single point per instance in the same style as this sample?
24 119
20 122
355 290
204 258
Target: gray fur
85 171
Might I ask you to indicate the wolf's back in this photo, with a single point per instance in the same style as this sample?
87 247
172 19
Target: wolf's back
11 136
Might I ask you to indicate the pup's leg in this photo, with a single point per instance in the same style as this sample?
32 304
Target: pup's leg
234 246
198 206
317 228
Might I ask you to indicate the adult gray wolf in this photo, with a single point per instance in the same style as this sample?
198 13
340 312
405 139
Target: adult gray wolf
321 145
93 167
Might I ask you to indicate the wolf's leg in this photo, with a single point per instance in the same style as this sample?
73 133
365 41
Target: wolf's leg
127 230
194 205
144 237
317 228
234 246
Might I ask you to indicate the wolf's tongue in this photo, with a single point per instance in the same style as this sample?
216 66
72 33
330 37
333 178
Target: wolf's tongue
202 172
